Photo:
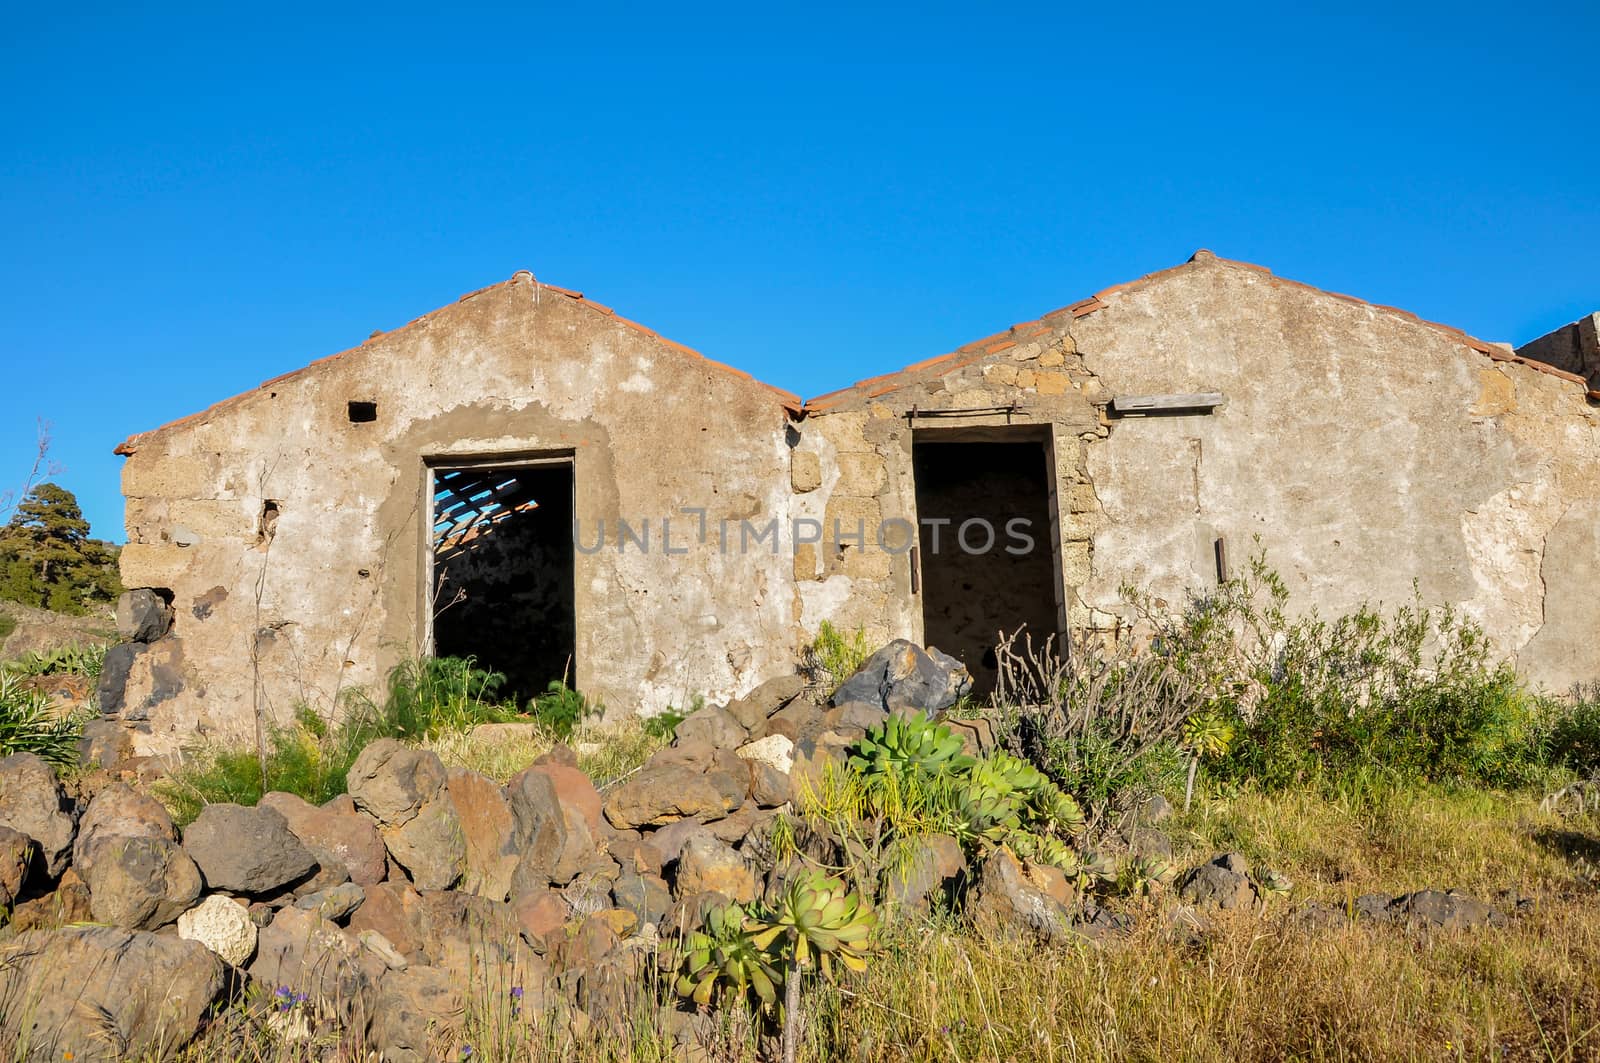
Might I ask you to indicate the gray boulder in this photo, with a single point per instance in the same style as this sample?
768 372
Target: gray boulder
335 902
555 826
921 869
1004 899
338 836
141 883
902 677
412 1004
143 615
645 895
1224 883
246 850
430 845
713 726
1445 909
665 793
16 853
391 781
308 954
105 744
32 803
709 865
99 993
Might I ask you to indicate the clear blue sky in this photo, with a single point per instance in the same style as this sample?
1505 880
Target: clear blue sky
192 201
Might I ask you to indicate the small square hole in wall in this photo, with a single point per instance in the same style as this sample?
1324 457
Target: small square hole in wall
362 412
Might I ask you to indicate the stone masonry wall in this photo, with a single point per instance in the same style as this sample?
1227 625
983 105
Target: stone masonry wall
295 544
1369 454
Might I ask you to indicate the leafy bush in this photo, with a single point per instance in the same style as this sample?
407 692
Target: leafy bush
27 725
833 657
1411 695
307 758
664 725
1574 731
561 709
85 660
429 695
1101 725
8 624
908 777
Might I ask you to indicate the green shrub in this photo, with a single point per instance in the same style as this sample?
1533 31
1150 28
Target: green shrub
8 624
834 657
429 695
1103 724
1573 741
1413 695
664 725
85 660
561 709
306 758
27 726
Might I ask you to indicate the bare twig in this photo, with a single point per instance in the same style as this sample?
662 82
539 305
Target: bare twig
1059 708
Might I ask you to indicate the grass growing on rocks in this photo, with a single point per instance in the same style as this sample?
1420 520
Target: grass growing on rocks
606 753
1259 986
435 703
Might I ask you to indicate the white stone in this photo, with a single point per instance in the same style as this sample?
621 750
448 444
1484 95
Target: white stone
222 925
775 750
380 946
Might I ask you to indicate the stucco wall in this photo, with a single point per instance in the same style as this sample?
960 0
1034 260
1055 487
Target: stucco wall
334 596
1368 451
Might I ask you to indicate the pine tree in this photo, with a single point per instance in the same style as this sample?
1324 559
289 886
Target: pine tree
47 558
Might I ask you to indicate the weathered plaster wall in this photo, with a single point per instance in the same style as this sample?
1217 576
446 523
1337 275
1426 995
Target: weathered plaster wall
854 462
331 595
1364 448
1369 451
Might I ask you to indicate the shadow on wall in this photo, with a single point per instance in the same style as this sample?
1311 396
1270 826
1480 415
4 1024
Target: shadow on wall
503 571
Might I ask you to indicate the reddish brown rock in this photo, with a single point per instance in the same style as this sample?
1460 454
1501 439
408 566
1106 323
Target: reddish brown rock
336 833
665 793
487 827
393 910
542 916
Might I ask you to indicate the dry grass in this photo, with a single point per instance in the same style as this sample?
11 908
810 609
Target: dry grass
1395 841
1258 987
1255 990
605 752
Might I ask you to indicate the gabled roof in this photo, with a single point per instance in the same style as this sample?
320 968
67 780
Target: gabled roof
876 386
873 387
788 400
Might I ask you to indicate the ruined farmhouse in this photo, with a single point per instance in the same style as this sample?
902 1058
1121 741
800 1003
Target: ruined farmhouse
528 477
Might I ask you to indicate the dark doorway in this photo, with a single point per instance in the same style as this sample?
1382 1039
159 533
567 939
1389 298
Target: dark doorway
987 541
502 586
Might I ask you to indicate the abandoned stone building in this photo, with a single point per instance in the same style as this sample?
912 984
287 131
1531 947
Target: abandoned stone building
527 477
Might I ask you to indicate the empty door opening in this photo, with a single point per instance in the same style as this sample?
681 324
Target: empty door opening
502 574
987 543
